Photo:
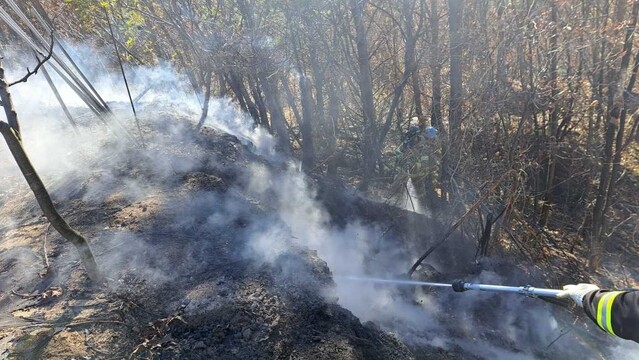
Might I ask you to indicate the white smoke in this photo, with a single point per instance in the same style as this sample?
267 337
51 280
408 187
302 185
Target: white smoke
95 164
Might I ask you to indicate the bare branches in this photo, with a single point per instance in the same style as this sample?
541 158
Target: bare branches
40 63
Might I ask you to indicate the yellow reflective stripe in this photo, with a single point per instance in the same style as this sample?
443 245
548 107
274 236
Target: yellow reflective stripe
604 311
611 300
600 310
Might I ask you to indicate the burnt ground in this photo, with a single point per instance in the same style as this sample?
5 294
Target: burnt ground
172 238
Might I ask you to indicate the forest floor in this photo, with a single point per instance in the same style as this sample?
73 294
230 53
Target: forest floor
203 243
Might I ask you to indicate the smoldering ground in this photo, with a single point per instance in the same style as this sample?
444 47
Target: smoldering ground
269 211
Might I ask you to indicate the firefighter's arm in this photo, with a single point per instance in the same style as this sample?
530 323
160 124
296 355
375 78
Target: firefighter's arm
615 312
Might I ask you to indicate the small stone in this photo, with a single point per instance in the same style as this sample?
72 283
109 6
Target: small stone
199 345
246 334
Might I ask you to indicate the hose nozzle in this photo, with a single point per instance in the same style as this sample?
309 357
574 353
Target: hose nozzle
459 285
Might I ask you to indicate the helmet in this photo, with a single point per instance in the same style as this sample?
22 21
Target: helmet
413 130
430 132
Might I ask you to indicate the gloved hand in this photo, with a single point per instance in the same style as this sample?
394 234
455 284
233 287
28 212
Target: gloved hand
577 292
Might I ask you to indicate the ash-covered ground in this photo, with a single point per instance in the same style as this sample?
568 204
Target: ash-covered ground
215 247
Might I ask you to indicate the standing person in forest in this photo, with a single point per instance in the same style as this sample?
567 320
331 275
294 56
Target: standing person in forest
417 158
615 312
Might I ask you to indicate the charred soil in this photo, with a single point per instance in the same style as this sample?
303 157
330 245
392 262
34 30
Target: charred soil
176 240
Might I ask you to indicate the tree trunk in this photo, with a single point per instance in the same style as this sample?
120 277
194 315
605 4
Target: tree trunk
365 83
436 88
552 123
10 132
278 121
306 126
456 95
256 91
222 84
237 86
453 147
417 90
318 77
44 200
45 72
331 133
7 103
611 167
598 215
207 99
435 66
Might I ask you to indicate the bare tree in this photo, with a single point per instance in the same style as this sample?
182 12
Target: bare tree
11 133
614 140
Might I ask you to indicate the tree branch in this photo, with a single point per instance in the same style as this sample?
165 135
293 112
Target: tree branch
40 63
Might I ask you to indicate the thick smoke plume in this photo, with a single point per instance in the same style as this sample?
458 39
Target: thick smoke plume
96 164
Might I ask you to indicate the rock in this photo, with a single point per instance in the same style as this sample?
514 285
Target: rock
246 333
199 345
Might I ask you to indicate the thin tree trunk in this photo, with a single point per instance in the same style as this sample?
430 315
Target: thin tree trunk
45 72
318 77
598 218
331 133
306 126
417 100
366 95
44 200
278 121
222 85
456 8
7 103
243 98
453 147
11 136
256 92
409 67
611 167
552 136
436 88
436 69
207 99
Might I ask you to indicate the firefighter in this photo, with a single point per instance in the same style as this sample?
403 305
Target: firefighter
615 312
416 158
415 136
411 138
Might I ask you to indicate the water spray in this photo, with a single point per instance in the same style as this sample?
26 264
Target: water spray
461 286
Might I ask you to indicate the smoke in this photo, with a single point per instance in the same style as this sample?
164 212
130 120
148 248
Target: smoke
625 350
486 325
276 204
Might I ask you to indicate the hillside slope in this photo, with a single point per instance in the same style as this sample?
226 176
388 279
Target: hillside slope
216 248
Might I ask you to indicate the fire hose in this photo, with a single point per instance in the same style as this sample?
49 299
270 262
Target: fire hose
461 286
527 290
